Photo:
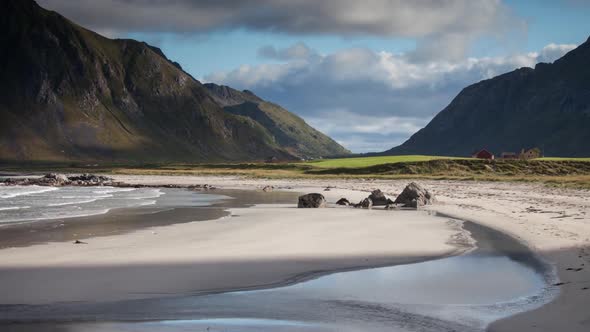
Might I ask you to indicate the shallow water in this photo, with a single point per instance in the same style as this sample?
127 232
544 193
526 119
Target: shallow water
461 293
33 203
76 213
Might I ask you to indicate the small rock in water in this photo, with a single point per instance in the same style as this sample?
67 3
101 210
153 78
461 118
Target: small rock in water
343 201
414 196
366 203
378 198
313 200
79 242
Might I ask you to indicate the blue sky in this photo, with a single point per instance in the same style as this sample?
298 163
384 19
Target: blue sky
367 73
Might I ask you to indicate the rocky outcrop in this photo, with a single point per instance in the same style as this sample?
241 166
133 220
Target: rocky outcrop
90 178
414 196
343 201
366 203
378 198
312 201
58 180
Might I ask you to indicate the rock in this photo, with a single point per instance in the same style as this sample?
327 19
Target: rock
343 201
267 189
414 196
378 197
79 242
391 207
90 179
55 179
366 203
312 201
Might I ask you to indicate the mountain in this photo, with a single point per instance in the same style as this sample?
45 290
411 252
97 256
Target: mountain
546 107
290 131
67 94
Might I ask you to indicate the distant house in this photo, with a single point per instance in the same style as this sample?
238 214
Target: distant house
509 155
483 154
530 153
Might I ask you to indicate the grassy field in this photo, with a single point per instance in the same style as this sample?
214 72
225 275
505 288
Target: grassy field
559 172
371 161
564 159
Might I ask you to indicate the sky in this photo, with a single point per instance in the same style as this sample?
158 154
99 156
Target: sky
367 73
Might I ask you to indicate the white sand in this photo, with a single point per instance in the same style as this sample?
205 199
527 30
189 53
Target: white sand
269 245
553 222
256 246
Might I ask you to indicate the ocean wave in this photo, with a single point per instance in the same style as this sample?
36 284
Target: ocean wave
110 190
154 193
74 202
15 191
146 203
8 208
86 213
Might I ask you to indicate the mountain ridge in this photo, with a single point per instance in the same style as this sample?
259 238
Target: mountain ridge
67 93
547 107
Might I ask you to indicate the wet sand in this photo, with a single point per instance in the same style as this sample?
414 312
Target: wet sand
177 208
553 222
369 300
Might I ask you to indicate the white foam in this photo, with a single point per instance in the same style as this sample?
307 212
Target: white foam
73 202
8 208
15 191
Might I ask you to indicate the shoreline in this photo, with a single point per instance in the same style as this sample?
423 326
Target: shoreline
485 241
557 252
553 222
223 254
119 221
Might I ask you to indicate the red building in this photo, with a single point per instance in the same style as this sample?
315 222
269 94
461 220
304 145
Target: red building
483 154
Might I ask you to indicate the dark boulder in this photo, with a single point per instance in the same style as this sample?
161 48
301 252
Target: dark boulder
378 198
312 201
343 201
90 179
414 196
366 203
55 179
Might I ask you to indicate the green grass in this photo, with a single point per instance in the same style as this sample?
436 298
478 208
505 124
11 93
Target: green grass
555 172
371 161
563 159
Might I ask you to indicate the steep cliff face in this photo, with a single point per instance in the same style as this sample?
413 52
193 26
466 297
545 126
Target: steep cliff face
67 93
546 107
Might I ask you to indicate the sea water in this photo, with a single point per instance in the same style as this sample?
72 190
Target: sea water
31 203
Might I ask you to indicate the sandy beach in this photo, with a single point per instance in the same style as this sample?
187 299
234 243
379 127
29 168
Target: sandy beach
253 247
553 222
277 244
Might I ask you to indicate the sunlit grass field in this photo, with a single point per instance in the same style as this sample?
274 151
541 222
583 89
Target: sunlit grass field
563 159
372 161
561 172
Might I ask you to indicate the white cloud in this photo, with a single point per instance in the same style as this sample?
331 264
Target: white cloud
381 96
419 18
553 52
